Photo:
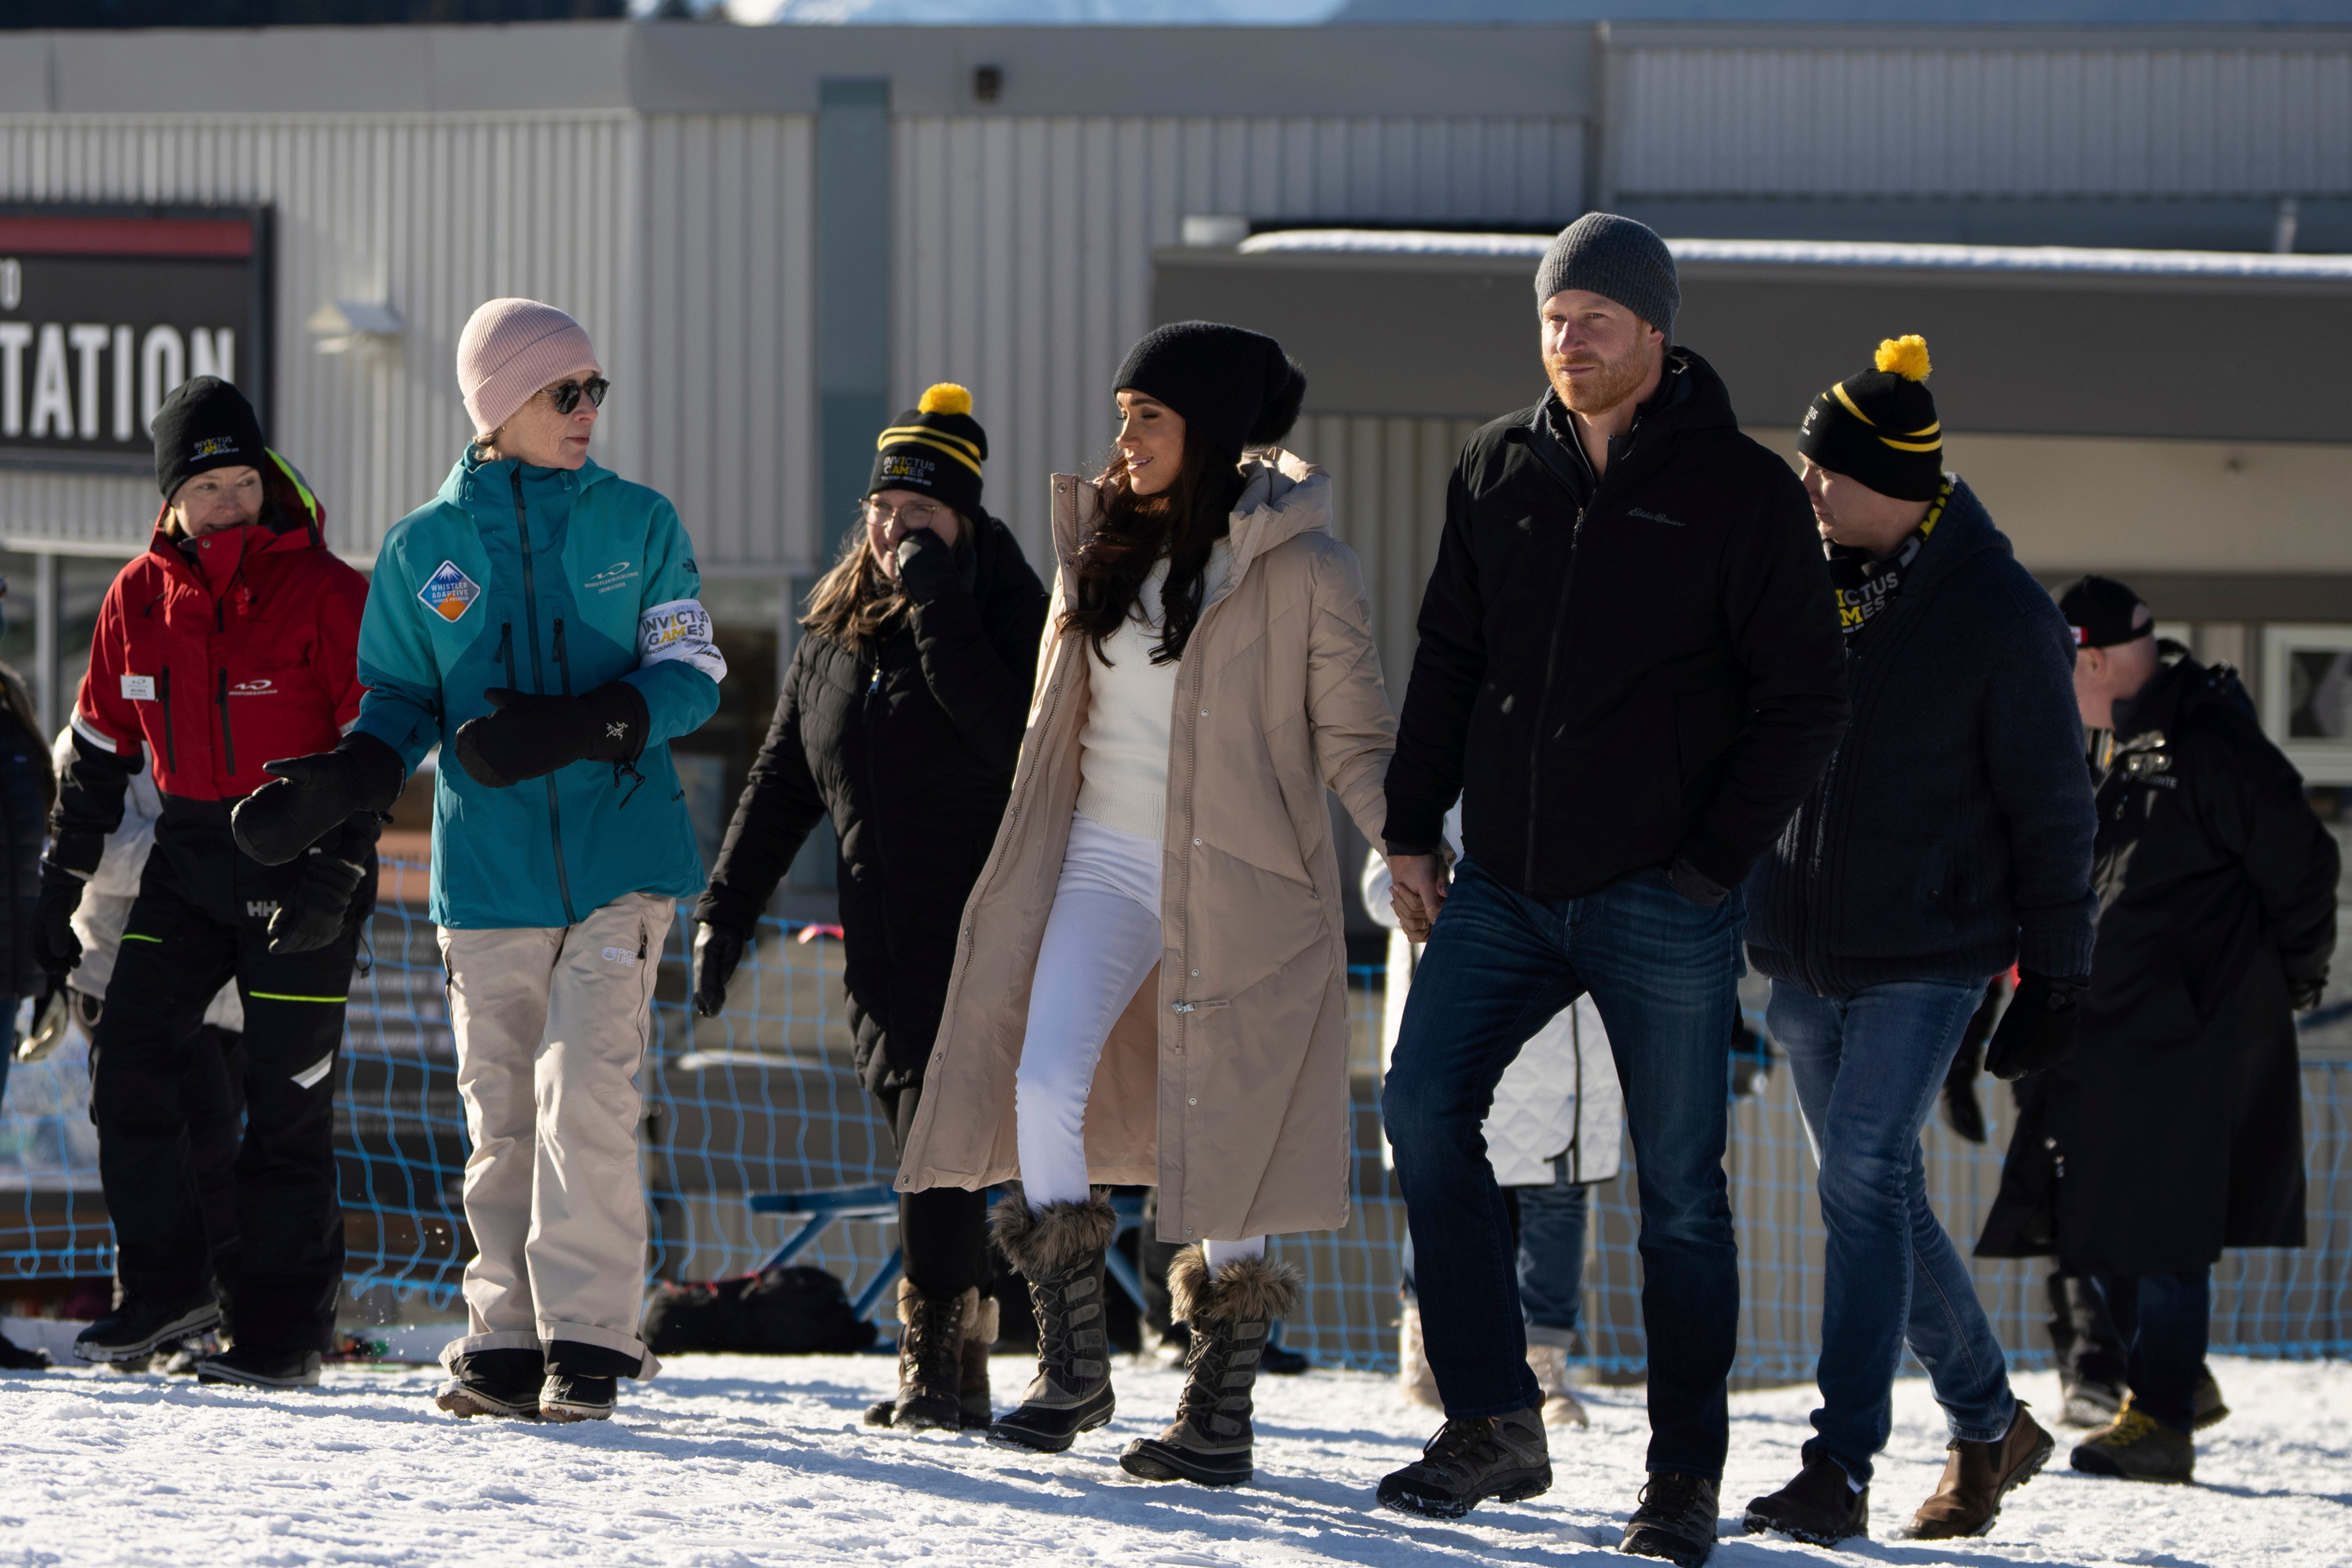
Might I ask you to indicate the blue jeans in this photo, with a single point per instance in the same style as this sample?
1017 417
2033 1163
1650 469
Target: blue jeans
1550 1224
2163 1319
1664 973
1868 1068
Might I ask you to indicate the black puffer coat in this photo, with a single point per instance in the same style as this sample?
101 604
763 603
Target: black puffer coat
28 783
2175 1129
910 747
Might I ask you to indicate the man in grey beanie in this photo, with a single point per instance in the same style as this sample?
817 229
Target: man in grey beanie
1630 671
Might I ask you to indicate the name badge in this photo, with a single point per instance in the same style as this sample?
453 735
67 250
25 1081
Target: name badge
139 688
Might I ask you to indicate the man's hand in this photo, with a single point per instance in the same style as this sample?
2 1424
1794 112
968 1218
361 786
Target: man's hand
1416 892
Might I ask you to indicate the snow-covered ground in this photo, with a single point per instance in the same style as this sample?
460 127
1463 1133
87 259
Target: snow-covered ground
731 1461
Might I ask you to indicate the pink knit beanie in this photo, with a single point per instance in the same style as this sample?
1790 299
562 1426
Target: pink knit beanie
509 350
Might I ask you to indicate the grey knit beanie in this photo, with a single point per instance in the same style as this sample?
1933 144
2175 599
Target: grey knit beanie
1617 260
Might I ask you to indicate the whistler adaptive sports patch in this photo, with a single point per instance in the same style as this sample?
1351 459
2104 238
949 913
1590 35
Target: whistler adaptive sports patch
449 592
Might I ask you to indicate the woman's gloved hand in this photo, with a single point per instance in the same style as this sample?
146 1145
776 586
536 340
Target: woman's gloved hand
314 916
55 947
717 952
311 796
2037 1030
531 736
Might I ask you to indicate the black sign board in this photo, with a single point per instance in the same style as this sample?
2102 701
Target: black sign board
103 311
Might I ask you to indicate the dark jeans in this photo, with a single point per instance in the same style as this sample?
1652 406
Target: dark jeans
2164 1319
1549 1223
1868 1068
1664 973
942 1231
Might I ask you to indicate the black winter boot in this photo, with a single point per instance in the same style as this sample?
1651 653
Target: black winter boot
132 1331
1675 1520
1470 1461
15 1357
261 1368
502 1383
1059 1250
1229 1316
1820 1508
930 1362
584 1381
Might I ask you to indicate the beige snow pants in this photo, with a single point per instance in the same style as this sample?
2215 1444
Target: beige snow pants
552 1026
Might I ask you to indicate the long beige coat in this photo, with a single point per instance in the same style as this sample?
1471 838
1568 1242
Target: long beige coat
1225 1082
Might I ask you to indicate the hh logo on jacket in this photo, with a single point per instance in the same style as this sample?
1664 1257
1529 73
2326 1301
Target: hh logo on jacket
449 592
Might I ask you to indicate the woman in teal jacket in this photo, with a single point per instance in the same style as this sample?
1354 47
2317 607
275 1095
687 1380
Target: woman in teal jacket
538 620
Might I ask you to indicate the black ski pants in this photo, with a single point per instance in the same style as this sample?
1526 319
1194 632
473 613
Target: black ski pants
200 922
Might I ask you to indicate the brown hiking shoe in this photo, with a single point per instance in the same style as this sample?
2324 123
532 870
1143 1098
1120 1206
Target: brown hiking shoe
1976 1476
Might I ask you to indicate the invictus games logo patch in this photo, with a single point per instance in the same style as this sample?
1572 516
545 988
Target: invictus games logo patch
214 447
449 592
902 466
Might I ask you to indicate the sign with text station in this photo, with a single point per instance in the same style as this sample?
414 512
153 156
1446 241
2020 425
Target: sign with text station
104 310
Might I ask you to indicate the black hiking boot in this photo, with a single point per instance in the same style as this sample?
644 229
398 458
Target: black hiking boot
1497 1458
568 1396
250 1368
501 1383
132 1331
1210 1440
1060 1251
1820 1508
15 1357
2137 1446
930 1362
1675 1520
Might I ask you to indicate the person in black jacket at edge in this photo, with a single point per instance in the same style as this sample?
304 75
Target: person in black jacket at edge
901 715
28 786
1630 672
2175 1129
1949 837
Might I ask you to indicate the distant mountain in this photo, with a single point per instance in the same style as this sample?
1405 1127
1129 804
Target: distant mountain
1000 13
2100 12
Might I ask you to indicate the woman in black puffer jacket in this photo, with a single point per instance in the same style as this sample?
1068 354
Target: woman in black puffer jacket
901 716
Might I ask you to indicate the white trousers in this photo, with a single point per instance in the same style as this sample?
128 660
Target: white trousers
1102 939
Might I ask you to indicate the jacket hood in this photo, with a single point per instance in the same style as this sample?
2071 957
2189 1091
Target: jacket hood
471 471
2177 691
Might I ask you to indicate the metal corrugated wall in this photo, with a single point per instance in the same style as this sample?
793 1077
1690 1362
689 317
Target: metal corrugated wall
680 242
2273 121
1024 245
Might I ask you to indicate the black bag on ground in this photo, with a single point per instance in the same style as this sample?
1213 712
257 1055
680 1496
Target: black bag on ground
777 1311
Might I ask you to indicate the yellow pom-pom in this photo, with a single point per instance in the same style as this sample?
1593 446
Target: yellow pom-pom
1906 356
947 397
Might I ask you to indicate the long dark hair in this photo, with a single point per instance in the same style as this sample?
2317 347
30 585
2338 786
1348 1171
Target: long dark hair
1183 522
854 603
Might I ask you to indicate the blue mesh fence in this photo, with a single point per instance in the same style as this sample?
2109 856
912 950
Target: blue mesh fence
764 1099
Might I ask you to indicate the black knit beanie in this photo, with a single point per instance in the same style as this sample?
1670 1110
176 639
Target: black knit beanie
936 449
1880 426
204 424
1235 386
1618 258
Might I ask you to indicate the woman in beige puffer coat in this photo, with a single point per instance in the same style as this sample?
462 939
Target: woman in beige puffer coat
1150 982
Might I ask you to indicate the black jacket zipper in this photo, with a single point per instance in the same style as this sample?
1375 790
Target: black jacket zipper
171 752
228 740
506 650
562 662
539 685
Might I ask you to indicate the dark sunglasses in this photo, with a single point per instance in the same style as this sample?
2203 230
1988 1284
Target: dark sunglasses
566 395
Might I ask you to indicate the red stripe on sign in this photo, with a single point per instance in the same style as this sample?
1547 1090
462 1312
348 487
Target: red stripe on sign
223 237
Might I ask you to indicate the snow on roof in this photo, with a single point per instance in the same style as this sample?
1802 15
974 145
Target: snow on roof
2218 264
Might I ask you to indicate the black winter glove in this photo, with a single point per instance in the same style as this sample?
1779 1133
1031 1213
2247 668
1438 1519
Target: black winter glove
2037 1030
717 952
313 795
929 566
51 1013
531 736
1695 884
55 947
2305 995
315 915
1960 1107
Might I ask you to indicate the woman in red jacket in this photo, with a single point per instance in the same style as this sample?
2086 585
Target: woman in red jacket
231 642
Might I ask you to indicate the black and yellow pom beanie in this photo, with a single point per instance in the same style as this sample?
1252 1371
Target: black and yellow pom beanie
1880 426
936 449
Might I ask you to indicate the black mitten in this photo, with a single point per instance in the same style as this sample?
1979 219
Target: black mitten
530 737
315 915
55 947
717 952
2037 1030
313 795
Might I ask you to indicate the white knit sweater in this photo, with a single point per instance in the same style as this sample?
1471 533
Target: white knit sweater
1123 749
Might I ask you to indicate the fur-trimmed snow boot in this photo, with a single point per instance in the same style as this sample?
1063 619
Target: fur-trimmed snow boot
1059 1250
1415 1380
972 1385
931 1335
1229 1314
